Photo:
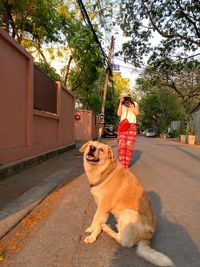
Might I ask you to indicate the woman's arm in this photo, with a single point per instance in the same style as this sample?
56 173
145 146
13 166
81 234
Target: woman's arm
119 111
135 109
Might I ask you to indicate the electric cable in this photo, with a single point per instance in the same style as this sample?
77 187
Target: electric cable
88 22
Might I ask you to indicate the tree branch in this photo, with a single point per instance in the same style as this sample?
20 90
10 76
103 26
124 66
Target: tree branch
188 18
37 46
164 34
67 69
75 87
180 57
195 108
8 9
78 75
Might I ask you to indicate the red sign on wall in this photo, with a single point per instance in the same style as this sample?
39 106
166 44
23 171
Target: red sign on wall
77 117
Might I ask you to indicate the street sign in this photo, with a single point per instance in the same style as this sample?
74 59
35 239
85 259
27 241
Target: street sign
77 117
101 118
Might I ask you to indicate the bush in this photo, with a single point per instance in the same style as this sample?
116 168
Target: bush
48 70
175 133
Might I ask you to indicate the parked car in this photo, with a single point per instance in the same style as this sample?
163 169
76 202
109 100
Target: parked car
151 132
110 130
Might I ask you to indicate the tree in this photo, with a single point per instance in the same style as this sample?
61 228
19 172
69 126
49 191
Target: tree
88 61
159 107
181 79
120 83
31 22
176 22
86 79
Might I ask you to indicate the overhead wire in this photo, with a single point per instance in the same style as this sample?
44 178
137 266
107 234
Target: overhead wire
89 24
105 57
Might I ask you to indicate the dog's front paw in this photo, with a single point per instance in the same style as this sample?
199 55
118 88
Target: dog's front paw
89 229
89 239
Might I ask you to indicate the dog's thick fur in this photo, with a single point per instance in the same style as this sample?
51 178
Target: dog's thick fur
117 190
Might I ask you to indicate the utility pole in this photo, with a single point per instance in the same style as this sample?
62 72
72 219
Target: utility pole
108 72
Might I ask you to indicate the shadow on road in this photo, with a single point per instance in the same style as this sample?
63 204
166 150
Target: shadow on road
136 156
170 238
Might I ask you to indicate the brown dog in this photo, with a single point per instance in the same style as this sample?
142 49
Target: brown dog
117 190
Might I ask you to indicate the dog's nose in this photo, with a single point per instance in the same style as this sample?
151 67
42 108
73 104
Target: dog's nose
92 148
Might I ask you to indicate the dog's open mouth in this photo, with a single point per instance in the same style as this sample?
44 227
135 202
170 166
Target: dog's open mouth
91 157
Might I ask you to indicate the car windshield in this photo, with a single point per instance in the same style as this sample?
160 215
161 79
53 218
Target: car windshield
109 126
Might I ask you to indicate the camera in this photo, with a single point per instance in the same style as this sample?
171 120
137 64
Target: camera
127 98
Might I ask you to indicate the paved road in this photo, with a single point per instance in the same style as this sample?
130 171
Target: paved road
51 235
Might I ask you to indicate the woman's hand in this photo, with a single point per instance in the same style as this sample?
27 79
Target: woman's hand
119 111
121 99
135 109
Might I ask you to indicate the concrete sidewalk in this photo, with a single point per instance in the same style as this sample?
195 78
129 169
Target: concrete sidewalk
20 193
45 201
51 235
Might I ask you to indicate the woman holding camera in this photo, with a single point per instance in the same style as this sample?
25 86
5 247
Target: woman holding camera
127 111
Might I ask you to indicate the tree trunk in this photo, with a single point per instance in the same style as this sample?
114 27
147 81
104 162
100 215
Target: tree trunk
67 69
37 46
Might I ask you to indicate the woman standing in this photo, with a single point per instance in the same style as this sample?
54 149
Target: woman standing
127 109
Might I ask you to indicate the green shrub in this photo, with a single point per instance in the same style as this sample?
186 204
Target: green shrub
48 70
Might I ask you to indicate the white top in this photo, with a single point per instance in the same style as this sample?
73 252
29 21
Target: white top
131 117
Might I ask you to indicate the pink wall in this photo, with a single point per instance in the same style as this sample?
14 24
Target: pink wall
16 82
67 111
86 126
25 132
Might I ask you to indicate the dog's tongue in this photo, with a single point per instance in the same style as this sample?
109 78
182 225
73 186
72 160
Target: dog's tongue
90 157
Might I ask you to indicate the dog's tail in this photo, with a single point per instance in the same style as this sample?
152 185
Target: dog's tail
151 255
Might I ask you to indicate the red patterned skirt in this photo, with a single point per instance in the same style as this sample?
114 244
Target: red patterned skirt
126 142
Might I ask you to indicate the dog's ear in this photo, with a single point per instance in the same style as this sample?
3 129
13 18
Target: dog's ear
82 149
110 153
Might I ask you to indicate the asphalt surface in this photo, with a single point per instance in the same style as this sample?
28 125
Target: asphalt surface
51 233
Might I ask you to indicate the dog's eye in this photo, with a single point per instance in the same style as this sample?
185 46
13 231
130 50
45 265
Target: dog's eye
101 149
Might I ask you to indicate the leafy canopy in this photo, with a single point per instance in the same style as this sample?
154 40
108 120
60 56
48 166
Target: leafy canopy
36 20
175 22
159 106
181 79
